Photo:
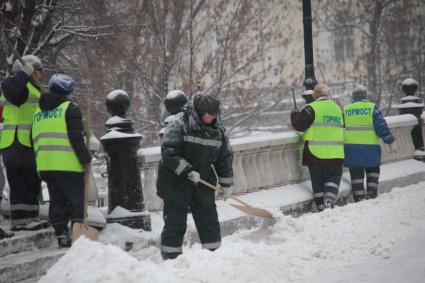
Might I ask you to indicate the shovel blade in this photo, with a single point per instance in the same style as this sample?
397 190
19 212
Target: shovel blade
254 211
79 229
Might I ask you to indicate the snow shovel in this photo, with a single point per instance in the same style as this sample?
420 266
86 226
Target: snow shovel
79 229
244 207
84 229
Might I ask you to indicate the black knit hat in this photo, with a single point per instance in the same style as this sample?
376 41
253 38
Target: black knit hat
206 103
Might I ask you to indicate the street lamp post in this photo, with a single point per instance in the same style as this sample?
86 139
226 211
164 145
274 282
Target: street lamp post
310 80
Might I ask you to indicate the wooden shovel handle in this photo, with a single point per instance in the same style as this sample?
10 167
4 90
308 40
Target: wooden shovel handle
240 201
17 55
87 173
221 191
205 183
246 208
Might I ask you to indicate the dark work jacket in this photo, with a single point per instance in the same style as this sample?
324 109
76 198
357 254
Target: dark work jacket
301 121
74 125
14 88
188 144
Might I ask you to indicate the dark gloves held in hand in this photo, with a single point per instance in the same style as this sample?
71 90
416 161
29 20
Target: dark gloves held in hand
389 139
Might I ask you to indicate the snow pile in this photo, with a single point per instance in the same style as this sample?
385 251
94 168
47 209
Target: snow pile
292 249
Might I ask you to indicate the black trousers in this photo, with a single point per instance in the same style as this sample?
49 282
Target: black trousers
175 217
357 175
325 182
66 191
25 187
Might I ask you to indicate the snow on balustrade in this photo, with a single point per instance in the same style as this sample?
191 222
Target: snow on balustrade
271 160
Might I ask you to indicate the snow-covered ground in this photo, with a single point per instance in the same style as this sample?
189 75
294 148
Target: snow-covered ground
381 240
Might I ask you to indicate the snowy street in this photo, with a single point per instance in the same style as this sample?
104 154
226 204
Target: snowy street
216 141
379 240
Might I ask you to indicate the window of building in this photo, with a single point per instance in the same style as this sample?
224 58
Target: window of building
344 39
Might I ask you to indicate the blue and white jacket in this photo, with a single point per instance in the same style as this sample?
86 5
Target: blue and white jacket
369 155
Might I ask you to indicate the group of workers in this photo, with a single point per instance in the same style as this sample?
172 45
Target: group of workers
43 139
335 137
195 145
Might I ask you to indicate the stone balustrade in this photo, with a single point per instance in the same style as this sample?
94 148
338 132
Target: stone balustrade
272 160
403 148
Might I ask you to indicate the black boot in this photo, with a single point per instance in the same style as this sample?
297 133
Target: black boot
372 194
62 234
329 202
64 240
166 256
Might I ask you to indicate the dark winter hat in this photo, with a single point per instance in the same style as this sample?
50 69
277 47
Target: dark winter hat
30 59
174 101
206 103
61 84
359 92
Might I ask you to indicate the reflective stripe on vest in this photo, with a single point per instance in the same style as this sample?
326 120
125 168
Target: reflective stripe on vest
51 143
326 135
19 118
359 127
202 141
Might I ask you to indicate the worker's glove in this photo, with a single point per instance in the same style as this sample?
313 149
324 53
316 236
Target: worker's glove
28 69
389 139
227 192
194 176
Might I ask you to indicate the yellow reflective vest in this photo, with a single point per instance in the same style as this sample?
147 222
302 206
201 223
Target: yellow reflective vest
359 127
326 135
18 119
51 142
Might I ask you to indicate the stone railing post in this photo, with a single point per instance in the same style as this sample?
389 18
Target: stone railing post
401 127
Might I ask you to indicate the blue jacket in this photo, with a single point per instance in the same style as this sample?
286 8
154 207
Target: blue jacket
366 155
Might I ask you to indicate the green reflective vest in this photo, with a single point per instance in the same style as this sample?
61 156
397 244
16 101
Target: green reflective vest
51 143
359 127
18 118
326 135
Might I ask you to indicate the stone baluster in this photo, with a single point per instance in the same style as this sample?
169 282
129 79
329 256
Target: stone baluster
273 160
250 167
276 164
239 179
264 168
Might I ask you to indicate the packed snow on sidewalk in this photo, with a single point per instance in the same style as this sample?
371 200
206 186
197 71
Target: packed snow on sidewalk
380 240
